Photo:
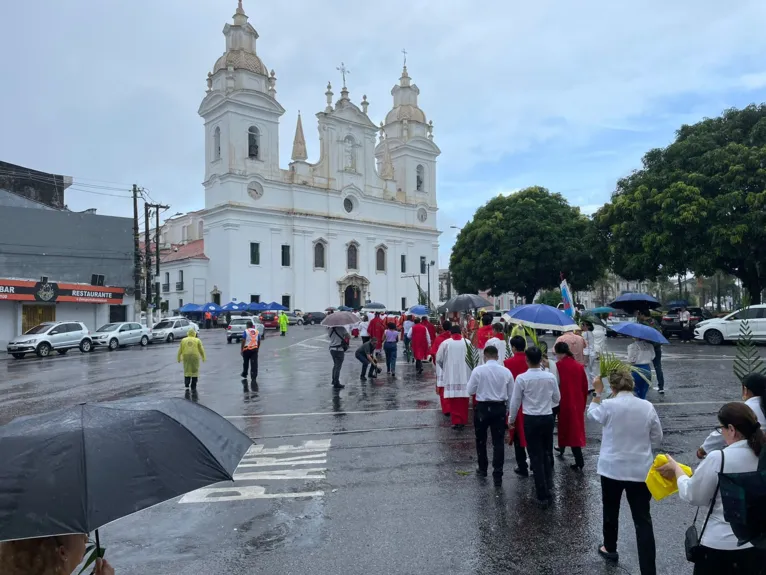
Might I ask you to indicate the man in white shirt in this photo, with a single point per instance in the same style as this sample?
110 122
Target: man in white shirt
536 391
493 385
685 318
498 341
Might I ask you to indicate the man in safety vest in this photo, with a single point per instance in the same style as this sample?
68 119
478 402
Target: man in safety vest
282 323
251 340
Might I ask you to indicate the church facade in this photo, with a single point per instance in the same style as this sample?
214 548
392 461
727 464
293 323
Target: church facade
347 229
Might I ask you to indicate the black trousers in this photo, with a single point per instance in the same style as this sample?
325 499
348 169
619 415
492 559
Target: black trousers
538 430
490 415
418 366
745 561
338 355
250 360
520 453
638 498
657 362
190 381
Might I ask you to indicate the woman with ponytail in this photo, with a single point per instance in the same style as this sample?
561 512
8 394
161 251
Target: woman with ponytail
744 440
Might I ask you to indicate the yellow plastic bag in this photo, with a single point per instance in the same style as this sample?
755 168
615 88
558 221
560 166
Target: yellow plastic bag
660 487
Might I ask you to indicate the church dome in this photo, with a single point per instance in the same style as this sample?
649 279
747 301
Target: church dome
406 112
241 60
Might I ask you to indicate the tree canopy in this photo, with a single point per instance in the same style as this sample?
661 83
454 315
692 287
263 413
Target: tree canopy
522 243
697 205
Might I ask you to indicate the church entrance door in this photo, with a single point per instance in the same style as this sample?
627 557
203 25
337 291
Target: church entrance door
352 297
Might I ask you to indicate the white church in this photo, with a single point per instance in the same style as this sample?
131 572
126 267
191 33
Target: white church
354 226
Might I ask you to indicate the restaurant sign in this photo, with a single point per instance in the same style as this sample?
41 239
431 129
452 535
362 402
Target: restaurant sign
51 292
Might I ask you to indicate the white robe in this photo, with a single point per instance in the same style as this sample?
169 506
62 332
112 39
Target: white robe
500 345
455 371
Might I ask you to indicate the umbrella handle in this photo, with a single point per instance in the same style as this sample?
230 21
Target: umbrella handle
98 545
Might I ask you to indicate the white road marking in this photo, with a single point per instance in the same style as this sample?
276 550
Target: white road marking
312 473
214 495
312 452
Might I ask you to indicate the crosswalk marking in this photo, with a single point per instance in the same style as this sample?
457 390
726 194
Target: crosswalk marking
283 460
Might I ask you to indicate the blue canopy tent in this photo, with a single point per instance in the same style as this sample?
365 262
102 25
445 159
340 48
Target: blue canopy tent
257 306
211 307
190 308
234 306
274 306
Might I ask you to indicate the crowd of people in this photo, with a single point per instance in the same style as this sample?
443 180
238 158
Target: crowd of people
519 394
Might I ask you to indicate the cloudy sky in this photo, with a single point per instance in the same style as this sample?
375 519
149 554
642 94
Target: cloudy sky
568 95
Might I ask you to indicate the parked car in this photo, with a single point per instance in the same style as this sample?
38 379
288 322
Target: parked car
314 317
671 326
237 327
192 323
59 335
114 335
293 318
171 329
717 330
269 319
615 318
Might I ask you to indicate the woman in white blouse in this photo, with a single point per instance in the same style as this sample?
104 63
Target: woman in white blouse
631 429
754 396
745 440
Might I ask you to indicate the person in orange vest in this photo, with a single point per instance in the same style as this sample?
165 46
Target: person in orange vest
251 340
208 319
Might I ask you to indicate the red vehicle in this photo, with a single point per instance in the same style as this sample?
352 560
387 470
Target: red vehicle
269 319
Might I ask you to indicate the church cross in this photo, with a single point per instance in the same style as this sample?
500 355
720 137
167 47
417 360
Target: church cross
404 51
343 70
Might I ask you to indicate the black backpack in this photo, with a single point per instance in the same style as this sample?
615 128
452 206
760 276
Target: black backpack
344 340
743 496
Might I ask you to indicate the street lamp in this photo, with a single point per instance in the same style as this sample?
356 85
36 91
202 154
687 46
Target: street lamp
428 269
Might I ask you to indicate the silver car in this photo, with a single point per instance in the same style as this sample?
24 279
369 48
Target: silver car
171 329
59 335
237 327
114 335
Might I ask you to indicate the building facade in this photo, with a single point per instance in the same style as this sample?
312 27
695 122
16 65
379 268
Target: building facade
343 230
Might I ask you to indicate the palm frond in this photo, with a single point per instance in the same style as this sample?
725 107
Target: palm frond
532 334
471 355
747 360
609 363
508 350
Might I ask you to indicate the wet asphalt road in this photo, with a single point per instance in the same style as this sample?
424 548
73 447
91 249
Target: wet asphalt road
368 480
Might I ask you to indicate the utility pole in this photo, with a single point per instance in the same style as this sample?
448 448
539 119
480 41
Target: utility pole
157 208
148 265
136 260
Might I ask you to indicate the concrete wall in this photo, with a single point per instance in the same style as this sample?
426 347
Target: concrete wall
66 246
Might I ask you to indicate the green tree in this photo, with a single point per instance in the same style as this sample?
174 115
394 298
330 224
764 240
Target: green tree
522 242
697 205
550 297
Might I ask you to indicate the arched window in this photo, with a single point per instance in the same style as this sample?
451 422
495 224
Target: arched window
420 178
352 256
253 143
319 255
217 144
380 260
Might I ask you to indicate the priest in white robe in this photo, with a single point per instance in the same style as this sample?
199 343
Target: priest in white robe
498 340
455 374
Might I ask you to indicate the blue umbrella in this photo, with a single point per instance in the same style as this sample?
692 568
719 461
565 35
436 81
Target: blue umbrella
234 306
345 308
418 310
211 307
633 301
678 303
639 331
602 309
190 308
374 305
541 316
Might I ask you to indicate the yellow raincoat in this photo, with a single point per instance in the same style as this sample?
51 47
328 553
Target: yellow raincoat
283 322
191 351
520 331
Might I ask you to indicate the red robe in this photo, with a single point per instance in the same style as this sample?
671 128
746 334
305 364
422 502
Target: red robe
517 364
419 341
574 394
431 329
376 329
484 333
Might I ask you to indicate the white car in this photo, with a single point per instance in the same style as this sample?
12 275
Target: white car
171 329
193 324
114 335
717 330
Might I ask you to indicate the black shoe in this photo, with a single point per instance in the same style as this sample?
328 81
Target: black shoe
662 392
186 385
243 375
481 472
560 450
607 555
362 378
338 386
521 472
393 376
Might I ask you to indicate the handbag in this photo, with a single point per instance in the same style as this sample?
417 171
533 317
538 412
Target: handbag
692 539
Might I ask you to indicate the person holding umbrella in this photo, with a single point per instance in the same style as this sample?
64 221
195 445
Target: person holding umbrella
644 317
641 355
191 351
47 556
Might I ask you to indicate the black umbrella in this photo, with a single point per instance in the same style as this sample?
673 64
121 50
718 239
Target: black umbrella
77 469
630 302
464 302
